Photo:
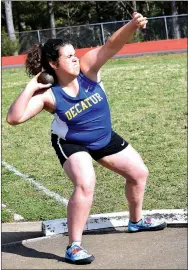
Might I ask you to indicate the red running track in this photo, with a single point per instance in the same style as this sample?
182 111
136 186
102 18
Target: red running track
133 48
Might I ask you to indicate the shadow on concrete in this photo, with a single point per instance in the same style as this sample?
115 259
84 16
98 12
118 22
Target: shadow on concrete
30 252
9 237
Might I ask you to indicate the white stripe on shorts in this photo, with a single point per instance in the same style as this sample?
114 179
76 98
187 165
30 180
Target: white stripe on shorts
58 142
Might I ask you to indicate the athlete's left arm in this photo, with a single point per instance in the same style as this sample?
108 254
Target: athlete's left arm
92 61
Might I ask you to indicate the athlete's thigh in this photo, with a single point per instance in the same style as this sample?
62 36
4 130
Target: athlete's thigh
79 168
75 160
127 162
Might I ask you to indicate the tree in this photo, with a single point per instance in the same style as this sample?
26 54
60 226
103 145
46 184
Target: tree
134 5
9 20
175 20
52 18
10 42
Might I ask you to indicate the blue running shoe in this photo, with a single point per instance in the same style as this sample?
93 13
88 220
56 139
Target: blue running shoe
77 255
146 224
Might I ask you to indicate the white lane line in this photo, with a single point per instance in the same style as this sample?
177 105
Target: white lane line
36 184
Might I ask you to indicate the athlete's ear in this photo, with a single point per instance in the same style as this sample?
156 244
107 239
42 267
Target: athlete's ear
53 64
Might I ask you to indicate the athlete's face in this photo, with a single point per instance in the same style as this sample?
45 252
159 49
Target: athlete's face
67 61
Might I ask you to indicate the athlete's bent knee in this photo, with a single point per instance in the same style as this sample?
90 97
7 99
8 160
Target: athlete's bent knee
139 176
87 187
144 172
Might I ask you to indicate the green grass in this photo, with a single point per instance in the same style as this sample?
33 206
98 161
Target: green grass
6 216
147 96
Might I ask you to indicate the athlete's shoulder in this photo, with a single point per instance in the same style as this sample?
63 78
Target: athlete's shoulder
49 100
91 77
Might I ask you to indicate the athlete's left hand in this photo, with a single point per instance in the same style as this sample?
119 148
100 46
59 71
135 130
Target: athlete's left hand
139 21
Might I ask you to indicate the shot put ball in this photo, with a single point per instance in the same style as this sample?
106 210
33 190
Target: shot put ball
45 78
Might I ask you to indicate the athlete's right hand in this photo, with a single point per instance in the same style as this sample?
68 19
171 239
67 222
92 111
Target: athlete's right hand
34 85
139 20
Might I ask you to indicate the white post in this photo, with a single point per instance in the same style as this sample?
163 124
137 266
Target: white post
166 28
102 31
38 35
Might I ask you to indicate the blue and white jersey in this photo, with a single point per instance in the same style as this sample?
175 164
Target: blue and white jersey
84 119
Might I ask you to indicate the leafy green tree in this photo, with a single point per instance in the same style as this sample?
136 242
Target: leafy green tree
34 15
8 46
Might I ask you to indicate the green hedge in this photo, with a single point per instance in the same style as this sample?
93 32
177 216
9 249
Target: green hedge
9 47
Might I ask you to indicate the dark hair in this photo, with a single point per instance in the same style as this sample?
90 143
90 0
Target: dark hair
40 55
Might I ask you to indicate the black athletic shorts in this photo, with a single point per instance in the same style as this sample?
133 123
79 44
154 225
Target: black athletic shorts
65 149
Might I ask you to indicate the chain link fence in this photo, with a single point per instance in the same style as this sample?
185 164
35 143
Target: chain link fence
92 35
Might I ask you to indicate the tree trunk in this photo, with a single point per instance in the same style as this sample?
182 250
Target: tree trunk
175 20
134 5
52 18
9 20
97 9
147 6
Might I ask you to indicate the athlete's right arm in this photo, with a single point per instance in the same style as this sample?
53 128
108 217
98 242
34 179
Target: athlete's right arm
29 103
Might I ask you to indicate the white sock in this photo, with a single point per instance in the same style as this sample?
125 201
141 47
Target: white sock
77 243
